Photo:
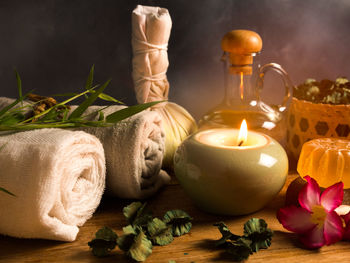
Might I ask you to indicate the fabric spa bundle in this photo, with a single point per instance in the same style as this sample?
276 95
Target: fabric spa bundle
150 34
57 177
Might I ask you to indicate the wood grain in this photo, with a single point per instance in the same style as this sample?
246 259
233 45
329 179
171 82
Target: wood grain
197 246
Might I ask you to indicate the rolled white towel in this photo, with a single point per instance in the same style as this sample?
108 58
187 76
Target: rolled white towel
134 150
58 177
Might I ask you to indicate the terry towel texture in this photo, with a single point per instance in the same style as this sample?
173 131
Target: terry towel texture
58 177
134 150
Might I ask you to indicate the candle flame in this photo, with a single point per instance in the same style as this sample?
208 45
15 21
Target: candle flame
243 133
241 87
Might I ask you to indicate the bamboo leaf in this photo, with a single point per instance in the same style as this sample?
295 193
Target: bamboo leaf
94 113
75 97
82 107
101 116
68 94
6 191
107 97
7 109
90 78
12 119
54 124
19 84
10 106
127 112
53 114
65 114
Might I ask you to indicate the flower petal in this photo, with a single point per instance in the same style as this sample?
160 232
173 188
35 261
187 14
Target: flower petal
346 235
313 238
295 219
333 228
309 195
346 218
342 210
332 197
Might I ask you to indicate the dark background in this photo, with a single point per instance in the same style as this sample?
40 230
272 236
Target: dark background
53 43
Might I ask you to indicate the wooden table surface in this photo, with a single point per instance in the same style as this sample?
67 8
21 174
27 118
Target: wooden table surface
197 246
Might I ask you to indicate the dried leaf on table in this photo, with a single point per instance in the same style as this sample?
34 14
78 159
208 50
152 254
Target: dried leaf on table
256 236
256 230
226 234
180 221
125 241
137 214
135 243
240 249
105 240
159 233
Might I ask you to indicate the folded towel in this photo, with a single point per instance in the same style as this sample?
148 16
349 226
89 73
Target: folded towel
58 177
151 28
134 149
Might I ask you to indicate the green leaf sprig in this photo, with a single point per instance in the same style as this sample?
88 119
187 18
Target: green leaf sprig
13 117
256 236
142 232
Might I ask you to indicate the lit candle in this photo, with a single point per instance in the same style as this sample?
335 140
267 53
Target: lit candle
232 138
231 171
243 133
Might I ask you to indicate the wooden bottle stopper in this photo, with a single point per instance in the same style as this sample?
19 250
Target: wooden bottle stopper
241 45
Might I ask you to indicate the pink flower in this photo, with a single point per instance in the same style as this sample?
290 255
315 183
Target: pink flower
315 222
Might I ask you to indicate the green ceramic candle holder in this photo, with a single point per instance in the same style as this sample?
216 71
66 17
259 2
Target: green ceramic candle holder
230 180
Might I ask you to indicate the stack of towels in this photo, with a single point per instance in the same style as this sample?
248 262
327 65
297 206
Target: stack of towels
58 176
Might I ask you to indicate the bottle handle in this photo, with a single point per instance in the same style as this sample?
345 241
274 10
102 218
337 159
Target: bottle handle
286 80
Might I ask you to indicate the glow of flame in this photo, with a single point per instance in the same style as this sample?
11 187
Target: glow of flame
243 133
241 87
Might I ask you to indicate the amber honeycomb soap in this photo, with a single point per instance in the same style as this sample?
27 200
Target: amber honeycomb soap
327 160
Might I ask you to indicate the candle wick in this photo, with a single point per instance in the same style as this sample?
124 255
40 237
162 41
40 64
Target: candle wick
240 143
